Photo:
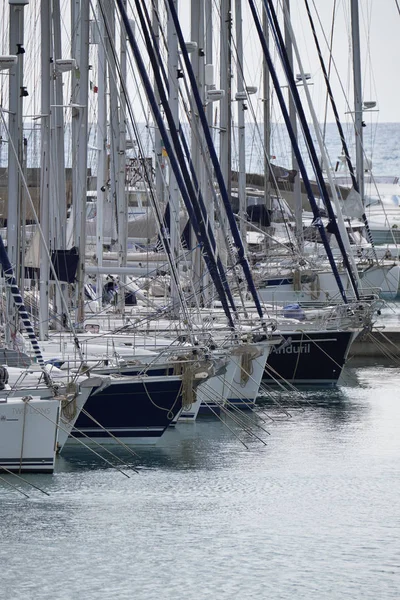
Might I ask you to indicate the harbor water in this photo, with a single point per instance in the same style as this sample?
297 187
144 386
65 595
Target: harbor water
312 514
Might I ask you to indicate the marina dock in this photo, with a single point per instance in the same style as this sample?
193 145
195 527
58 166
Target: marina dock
380 343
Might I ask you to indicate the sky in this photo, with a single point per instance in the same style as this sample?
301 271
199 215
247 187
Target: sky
380 49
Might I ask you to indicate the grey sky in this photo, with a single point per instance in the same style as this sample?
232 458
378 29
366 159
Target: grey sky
380 49
380 40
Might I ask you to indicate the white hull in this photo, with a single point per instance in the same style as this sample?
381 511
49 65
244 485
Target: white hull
215 391
246 383
28 434
71 398
323 287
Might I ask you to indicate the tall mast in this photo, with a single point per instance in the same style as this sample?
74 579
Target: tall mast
58 184
122 198
358 115
206 26
102 151
158 143
114 127
225 84
75 82
266 117
15 149
44 169
82 152
241 123
173 96
200 277
298 209
59 189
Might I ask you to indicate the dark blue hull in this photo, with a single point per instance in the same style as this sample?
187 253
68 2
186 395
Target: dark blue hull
131 409
305 358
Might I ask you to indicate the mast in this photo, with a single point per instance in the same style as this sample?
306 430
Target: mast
17 92
173 97
298 208
358 115
241 124
44 169
102 151
207 188
75 82
225 105
82 150
80 49
114 127
122 197
58 151
266 117
158 143
200 278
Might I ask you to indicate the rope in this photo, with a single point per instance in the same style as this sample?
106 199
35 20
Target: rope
322 350
298 357
85 445
393 356
170 415
188 371
248 353
25 400
13 486
69 409
23 479
389 341
114 437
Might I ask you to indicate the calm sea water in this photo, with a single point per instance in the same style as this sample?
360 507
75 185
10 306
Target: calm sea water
380 145
313 514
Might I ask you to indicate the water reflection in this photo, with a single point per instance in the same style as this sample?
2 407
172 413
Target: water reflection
320 404
186 446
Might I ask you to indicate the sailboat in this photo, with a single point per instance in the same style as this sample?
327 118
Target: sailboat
37 412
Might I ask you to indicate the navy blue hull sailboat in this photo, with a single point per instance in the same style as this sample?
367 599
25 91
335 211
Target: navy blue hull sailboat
309 357
132 409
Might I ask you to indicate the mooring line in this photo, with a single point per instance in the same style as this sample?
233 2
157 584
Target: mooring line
24 480
14 486
88 447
